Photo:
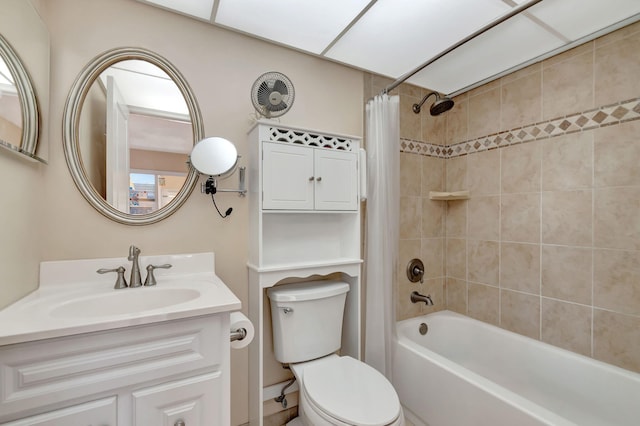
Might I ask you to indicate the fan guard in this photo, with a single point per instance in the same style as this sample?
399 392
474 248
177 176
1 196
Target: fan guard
272 94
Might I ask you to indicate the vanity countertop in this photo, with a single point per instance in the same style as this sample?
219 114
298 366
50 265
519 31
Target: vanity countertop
73 299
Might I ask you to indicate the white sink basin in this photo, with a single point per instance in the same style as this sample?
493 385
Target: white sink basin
124 301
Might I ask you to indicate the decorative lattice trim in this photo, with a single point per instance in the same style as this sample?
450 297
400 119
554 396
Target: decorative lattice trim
300 137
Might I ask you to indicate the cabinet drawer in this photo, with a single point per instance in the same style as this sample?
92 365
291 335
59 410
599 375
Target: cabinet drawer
38 374
196 401
94 413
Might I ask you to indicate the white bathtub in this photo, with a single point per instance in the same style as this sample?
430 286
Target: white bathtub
464 372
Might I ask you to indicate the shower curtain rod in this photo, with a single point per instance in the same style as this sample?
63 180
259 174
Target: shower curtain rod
470 37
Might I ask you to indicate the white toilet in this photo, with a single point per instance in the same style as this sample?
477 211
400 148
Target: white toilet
334 390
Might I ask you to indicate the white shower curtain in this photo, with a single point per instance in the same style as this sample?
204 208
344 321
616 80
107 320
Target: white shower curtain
383 205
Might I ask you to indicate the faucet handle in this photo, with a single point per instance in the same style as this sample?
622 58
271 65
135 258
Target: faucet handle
121 282
151 279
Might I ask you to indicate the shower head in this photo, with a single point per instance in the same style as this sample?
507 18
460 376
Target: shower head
441 105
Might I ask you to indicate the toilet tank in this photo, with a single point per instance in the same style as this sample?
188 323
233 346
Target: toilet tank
307 319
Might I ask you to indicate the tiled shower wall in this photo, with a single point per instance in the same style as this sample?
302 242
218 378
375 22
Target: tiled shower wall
548 245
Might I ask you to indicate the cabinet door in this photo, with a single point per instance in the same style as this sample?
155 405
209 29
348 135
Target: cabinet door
287 177
336 174
197 401
95 413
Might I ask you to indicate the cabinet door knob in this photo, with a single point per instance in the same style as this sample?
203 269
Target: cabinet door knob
318 179
180 423
311 178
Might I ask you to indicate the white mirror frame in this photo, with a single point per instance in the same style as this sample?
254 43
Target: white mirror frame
71 121
28 104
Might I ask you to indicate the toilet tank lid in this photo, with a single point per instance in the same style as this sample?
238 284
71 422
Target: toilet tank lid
310 290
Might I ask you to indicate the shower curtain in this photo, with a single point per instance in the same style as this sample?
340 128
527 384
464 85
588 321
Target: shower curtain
383 175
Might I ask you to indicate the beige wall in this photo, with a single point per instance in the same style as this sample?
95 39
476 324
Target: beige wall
49 218
548 245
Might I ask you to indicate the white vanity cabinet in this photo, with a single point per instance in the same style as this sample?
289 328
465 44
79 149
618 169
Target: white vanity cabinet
299 177
168 373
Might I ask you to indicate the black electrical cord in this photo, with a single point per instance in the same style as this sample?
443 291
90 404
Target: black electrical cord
227 213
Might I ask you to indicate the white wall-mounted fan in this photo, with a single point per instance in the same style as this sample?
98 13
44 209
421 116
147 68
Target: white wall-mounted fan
272 94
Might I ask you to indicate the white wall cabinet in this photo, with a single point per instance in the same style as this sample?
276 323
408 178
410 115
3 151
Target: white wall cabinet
304 214
156 374
304 178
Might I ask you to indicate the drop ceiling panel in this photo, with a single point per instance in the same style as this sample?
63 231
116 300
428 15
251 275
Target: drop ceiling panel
578 18
395 36
305 25
507 45
200 9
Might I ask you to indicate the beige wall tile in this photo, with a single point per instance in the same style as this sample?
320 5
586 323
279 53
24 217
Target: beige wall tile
410 174
618 35
432 255
616 339
483 216
517 75
616 155
587 47
432 174
567 273
483 303
404 308
456 225
456 291
616 278
484 113
433 215
410 217
434 129
520 167
522 101
483 173
410 122
456 258
567 218
568 86
617 66
456 173
520 267
457 121
567 162
435 289
520 218
520 313
411 90
483 261
567 325
616 221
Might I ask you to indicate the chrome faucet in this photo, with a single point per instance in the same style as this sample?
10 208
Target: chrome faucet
136 280
417 297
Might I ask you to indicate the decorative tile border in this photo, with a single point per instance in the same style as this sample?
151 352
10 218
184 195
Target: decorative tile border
599 117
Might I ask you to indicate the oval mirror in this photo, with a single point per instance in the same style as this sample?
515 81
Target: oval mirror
214 157
130 122
19 116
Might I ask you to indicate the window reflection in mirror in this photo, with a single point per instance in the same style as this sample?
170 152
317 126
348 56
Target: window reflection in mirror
10 112
135 122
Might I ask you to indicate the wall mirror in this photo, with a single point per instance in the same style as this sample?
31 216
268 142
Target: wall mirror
214 156
19 115
130 122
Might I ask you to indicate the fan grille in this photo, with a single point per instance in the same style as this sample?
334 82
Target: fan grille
272 94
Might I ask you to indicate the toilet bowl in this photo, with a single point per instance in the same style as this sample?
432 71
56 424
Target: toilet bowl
334 390
344 391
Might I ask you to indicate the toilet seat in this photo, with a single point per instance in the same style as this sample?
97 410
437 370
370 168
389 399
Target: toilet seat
351 392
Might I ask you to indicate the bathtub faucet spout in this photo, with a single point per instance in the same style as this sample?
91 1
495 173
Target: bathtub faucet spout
417 297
